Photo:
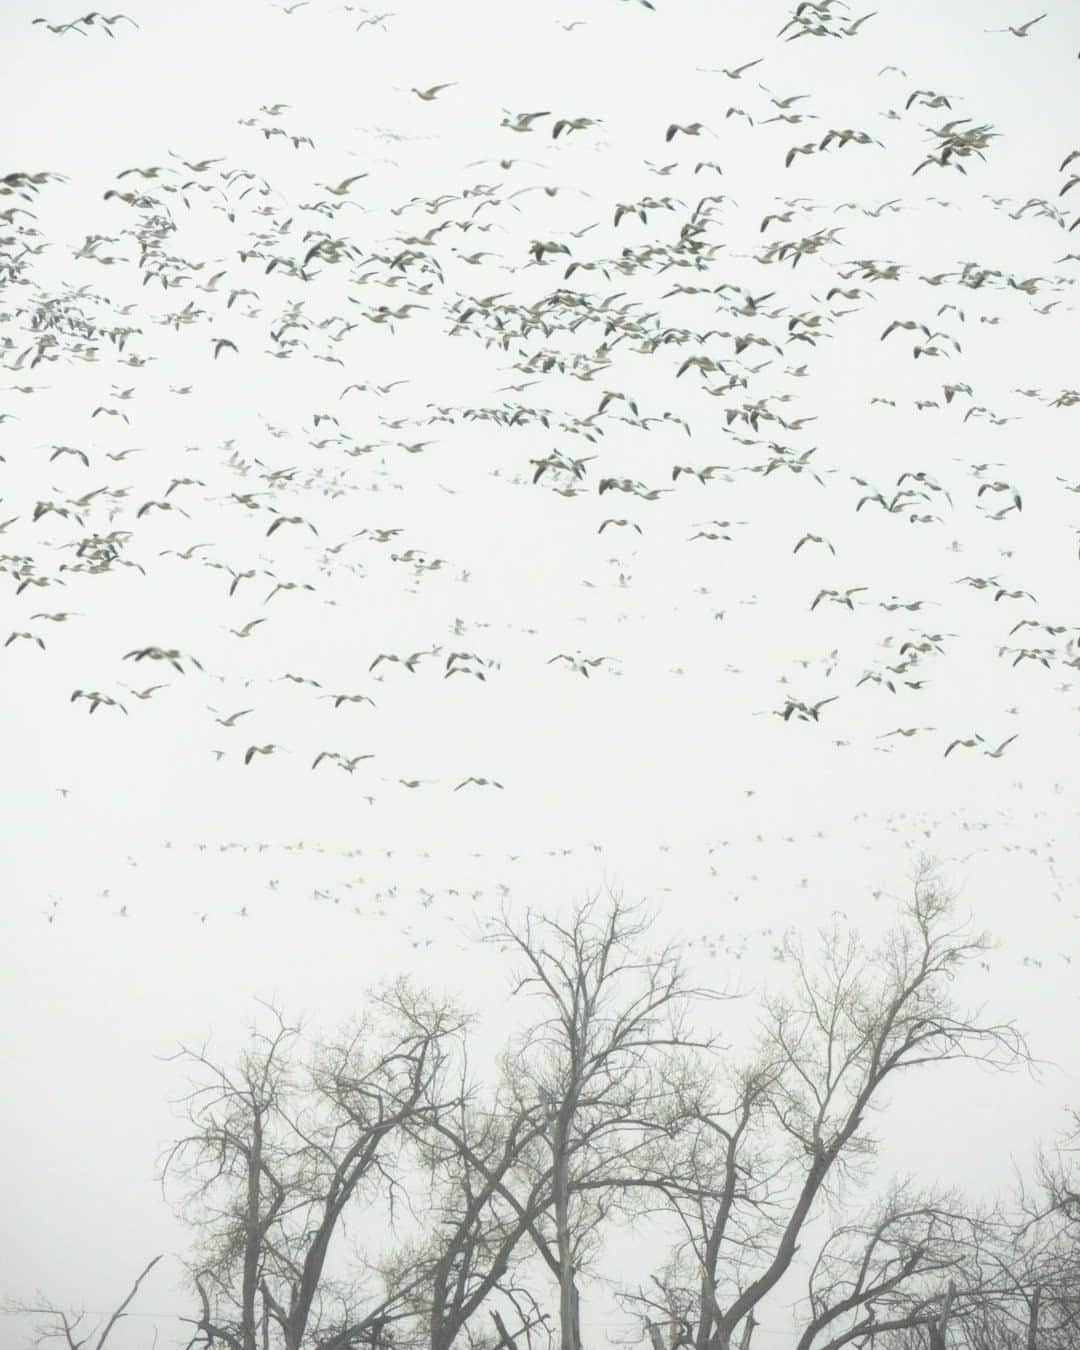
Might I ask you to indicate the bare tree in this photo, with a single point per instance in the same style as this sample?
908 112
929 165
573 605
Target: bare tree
761 1146
62 1324
608 1102
1036 1302
581 1099
1059 1181
477 1217
894 1271
281 1150
1018 1285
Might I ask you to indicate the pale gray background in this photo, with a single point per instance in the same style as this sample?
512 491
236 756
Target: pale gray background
654 775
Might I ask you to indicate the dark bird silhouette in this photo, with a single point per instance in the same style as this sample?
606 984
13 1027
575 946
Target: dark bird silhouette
969 743
253 750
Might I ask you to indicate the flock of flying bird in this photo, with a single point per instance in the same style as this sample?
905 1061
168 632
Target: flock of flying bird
753 869
711 430
618 341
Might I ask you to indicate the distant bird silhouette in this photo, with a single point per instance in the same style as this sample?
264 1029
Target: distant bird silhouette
1019 30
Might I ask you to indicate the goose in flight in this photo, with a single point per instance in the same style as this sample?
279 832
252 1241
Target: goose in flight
339 699
232 718
290 520
739 71
432 92
169 654
106 21
814 539
348 764
702 474
148 692
71 450
910 325
253 750
342 187
690 129
186 554
409 662
96 700
928 98
1002 487
808 149
569 124
580 664
521 121
845 137
1019 30
805 712
969 743
838 597
72 27
852 29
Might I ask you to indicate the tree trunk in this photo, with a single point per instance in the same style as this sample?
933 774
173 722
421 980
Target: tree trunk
1033 1319
252 1236
569 1316
937 1329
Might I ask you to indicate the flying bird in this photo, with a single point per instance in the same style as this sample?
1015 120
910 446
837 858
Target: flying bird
432 92
1019 30
969 743
690 129
253 750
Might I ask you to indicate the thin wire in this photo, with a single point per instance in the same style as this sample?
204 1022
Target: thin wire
85 1312
179 1317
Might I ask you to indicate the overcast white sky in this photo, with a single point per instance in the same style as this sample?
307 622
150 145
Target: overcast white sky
131 845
